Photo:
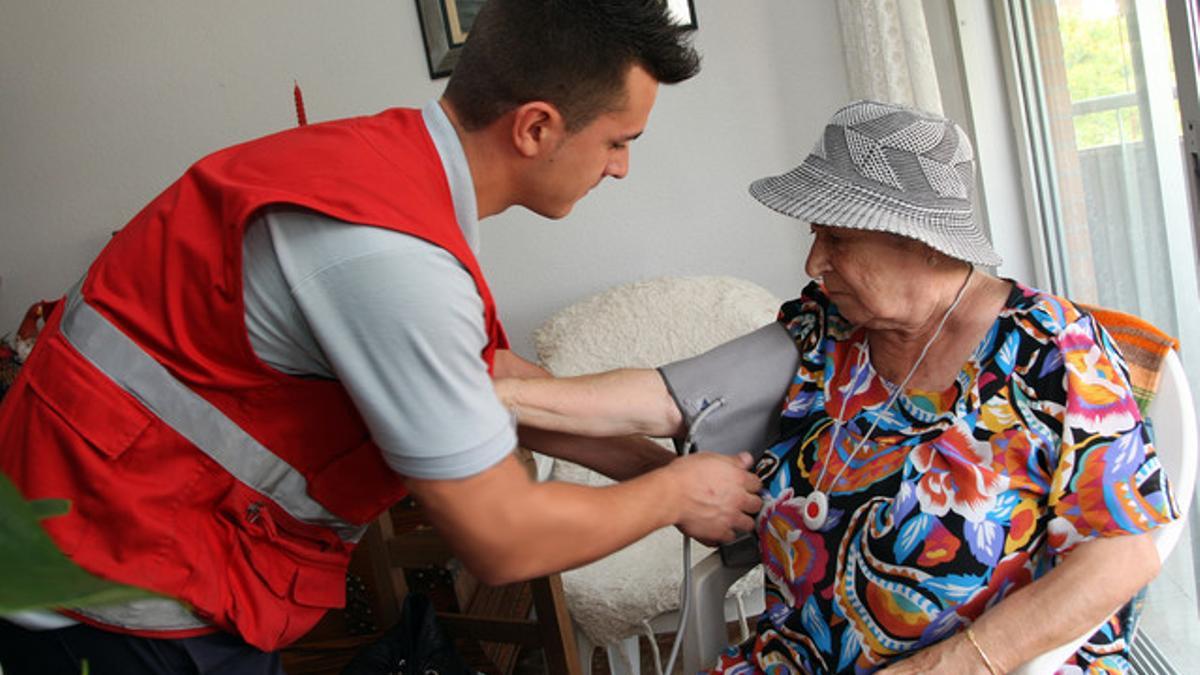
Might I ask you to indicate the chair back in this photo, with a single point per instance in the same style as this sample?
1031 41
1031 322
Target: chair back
1173 414
645 324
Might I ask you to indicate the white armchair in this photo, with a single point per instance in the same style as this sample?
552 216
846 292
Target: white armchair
1173 414
644 324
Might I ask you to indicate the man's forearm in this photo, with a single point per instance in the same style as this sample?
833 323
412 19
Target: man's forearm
542 527
505 527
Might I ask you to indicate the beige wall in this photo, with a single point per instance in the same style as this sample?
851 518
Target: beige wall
103 104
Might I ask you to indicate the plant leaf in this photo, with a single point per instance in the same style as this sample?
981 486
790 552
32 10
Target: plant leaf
35 573
48 508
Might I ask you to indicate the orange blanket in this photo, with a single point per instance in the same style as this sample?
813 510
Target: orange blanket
1143 346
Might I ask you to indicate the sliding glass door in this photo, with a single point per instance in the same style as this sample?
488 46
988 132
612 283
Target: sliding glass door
1111 169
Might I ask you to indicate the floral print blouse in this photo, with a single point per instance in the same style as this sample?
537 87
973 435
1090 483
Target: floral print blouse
958 498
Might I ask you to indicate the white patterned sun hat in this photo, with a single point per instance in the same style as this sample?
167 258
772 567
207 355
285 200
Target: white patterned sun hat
889 168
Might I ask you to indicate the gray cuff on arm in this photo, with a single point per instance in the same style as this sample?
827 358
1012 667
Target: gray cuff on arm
751 376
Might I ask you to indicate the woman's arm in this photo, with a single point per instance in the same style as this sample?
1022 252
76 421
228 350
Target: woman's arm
1091 583
746 378
614 403
546 408
509 364
619 458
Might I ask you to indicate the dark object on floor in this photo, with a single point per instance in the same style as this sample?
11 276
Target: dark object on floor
63 650
416 645
491 624
359 615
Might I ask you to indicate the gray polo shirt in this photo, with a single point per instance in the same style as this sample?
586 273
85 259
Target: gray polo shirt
398 321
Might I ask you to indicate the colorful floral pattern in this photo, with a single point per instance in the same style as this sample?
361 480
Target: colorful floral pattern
958 498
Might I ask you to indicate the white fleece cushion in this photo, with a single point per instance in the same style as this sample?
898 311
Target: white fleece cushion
643 324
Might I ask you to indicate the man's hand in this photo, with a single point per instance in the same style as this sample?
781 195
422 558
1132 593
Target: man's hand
719 496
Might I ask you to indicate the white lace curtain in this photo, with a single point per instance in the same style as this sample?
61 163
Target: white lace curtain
888 54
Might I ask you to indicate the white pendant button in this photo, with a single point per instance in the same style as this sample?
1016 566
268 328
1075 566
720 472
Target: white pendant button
816 510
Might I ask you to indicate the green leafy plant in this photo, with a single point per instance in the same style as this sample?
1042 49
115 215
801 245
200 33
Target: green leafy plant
35 573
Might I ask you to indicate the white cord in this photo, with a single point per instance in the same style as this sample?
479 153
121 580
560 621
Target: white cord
863 355
653 647
743 621
685 591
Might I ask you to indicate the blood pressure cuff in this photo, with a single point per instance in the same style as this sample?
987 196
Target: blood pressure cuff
750 375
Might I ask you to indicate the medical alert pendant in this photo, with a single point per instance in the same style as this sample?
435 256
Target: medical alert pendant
816 510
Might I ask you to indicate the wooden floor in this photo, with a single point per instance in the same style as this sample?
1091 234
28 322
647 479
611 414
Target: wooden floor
532 664
330 658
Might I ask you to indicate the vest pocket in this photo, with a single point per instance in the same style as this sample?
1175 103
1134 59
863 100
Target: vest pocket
281 575
107 417
297 561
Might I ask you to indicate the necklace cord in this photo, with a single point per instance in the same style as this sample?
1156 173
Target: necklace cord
864 350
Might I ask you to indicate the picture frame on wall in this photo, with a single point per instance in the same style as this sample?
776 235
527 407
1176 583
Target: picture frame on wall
445 25
684 12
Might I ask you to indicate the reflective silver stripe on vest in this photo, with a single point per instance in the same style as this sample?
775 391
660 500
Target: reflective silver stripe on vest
159 614
202 423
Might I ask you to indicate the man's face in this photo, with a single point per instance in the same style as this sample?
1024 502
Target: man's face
600 149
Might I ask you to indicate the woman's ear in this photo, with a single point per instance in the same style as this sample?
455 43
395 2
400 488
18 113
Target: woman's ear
537 127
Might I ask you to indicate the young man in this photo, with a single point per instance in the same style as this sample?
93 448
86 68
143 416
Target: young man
297 332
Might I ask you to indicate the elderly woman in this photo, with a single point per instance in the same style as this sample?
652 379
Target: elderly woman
957 477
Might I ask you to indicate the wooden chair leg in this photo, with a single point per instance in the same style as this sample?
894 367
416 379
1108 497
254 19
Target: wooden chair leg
371 564
554 622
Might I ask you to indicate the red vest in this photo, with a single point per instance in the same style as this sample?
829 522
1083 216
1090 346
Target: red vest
193 469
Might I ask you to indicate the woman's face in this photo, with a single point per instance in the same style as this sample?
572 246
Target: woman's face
876 279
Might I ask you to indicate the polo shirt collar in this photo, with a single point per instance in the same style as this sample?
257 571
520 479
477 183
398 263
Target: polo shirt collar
458 172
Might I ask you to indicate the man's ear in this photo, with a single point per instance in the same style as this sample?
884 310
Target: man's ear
537 127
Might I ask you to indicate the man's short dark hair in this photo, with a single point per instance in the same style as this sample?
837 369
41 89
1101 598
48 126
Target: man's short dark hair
572 53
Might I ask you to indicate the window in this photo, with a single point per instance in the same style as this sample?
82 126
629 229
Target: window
1108 167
